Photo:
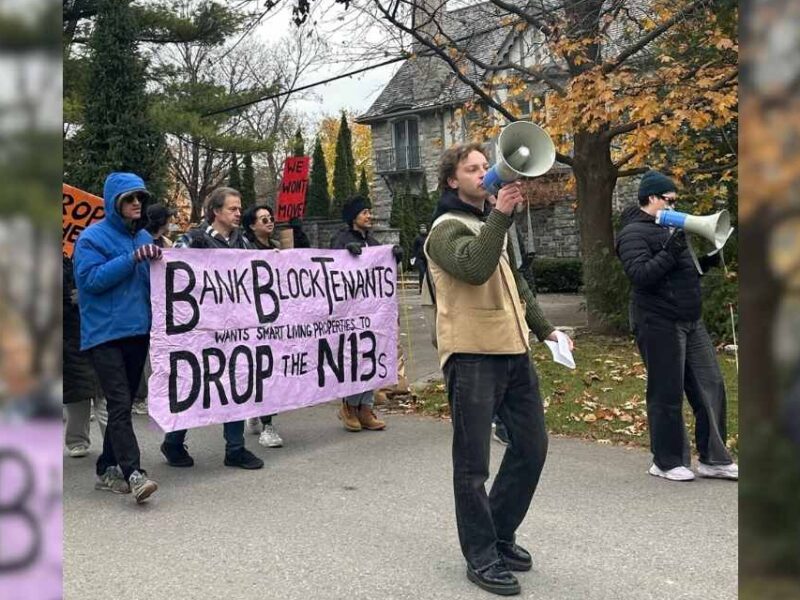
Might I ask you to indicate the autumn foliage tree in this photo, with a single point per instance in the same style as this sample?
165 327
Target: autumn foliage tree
621 86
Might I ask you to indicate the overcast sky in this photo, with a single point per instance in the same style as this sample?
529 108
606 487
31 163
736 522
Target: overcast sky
355 93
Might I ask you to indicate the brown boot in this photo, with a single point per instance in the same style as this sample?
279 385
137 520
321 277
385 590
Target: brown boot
368 419
347 415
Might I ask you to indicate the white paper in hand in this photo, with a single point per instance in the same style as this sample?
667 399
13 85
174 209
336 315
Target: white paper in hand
560 350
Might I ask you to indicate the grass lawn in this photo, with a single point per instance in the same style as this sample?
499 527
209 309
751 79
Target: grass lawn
603 398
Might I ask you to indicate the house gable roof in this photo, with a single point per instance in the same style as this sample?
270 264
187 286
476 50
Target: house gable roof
428 81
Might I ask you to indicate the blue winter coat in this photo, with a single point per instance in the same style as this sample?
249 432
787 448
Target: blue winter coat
113 289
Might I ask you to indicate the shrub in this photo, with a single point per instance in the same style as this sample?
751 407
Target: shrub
609 293
556 275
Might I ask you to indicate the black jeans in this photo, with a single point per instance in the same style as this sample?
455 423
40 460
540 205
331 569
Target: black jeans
478 386
422 267
680 357
233 432
119 365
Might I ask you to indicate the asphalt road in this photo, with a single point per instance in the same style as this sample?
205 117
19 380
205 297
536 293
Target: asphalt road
347 516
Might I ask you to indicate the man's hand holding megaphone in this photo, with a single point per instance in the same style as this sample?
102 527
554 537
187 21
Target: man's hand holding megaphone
509 197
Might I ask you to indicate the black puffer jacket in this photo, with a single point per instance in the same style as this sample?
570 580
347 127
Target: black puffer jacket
661 283
347 236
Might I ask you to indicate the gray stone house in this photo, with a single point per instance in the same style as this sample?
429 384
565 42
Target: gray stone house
418 114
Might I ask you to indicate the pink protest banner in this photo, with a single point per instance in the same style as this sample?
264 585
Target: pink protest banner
244 333
31 515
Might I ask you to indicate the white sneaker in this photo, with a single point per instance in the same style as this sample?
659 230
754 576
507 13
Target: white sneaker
139 408
730 471
269 437
676 474
253 426
78 451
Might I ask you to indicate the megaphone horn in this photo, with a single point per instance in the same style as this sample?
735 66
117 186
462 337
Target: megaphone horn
715 228
523 150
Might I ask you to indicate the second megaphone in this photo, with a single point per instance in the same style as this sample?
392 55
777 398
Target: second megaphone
523 150
715 228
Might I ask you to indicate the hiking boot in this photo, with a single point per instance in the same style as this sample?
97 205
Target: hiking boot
243 459
368 419
176 455
269 438
347 415
676 474
253 426
496 578
730 471
78 451
142 486
515 556
112 481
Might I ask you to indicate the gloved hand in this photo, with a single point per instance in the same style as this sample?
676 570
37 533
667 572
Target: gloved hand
354 248
676 243
147 252
398 253
709 261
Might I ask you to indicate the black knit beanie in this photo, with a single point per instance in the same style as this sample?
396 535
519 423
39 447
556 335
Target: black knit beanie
351 209
654 184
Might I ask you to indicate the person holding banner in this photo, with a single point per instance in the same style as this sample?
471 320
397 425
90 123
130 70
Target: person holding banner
258 224
484 310
223 210
666 318
356 412
112 274
160 221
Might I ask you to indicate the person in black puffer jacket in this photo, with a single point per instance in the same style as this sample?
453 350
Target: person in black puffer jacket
665 311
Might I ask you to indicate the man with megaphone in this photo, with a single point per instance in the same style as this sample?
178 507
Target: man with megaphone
665 310
484 310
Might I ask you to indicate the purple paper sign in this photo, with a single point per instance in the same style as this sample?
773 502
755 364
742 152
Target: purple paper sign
31 516
244 333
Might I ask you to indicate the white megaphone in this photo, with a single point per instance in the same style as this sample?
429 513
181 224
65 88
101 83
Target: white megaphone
715 228
523 150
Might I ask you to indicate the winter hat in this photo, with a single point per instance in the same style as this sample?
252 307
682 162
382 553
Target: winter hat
654 184
351 209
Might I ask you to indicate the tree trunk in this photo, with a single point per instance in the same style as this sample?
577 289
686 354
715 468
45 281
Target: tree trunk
596 177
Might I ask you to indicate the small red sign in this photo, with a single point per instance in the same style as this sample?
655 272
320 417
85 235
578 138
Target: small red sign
292 195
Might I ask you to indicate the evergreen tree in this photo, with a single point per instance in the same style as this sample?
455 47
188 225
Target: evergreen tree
248 182
427 204
318 202
118 133
234 179
299 145
344 175
363 186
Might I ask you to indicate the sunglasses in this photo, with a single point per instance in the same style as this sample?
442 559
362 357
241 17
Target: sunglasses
265 220
130 198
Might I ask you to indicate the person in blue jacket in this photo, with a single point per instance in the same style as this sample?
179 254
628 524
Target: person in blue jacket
112 274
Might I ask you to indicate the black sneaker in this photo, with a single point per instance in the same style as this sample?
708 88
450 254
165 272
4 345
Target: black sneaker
495 578
515 557
176 455
500 433
243 459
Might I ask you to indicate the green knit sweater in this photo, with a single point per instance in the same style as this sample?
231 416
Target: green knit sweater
473 258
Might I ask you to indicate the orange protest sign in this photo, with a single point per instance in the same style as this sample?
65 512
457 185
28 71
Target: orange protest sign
79 209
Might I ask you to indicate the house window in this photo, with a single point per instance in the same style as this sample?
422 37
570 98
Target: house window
406 144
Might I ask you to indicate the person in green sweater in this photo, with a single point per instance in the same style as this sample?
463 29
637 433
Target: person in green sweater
484 314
